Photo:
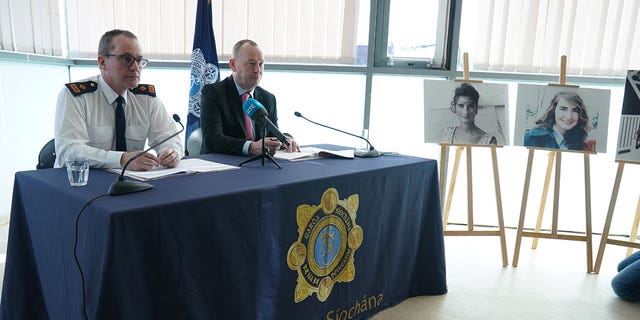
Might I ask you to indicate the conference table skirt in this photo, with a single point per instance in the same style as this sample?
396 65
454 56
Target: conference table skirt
318 239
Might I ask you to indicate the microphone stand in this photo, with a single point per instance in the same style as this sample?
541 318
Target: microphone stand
122 186
264 154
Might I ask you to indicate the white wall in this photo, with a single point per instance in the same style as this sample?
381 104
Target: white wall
28 93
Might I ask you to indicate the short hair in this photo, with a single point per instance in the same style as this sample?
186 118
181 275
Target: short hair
465 90
239 44
106 41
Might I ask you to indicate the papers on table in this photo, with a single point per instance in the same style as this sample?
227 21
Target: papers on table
308 153
186 166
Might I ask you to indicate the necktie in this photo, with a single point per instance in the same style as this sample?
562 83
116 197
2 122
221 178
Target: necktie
121 143
248 125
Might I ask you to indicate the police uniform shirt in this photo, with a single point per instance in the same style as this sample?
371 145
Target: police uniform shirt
85 122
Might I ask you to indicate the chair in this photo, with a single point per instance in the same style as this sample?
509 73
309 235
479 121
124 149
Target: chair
194 143
47 156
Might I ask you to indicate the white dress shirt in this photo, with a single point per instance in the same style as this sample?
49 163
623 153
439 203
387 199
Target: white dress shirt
85 125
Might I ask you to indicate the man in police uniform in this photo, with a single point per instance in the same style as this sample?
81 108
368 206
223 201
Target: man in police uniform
107 118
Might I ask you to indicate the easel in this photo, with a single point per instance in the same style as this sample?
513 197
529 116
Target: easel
607 225
557 154
496 179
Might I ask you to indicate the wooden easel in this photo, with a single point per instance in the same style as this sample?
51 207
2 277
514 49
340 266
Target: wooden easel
607 225
557 155
496 179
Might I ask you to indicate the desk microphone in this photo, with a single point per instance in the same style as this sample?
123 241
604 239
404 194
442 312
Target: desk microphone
122 186
371 153
257 112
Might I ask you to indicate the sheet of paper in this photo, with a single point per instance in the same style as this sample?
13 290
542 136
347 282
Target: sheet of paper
307 153
186 166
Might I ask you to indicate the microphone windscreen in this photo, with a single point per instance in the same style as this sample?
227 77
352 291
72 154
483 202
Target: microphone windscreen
253 108
297 114
176 118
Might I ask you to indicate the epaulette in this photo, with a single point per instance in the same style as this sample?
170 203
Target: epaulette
78 88
147 89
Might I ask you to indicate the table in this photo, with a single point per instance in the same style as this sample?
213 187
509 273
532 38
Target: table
230 244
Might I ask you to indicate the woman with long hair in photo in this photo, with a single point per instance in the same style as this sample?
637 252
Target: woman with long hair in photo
564 125
465 106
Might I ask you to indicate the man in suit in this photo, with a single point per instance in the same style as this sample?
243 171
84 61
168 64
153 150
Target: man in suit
222 119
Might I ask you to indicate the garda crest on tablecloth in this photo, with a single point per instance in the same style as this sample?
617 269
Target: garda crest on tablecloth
328 237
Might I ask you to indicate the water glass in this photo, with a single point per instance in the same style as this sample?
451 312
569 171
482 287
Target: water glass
78 171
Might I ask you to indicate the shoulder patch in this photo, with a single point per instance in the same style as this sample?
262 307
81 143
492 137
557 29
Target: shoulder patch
147 89
78 88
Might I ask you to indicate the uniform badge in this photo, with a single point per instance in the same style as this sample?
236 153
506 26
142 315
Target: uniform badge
147 89
328 237
78 88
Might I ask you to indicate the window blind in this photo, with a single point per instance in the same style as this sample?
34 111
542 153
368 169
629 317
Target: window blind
530 36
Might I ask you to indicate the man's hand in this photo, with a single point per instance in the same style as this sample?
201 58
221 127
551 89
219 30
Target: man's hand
272 144
145 162
293 146
169 158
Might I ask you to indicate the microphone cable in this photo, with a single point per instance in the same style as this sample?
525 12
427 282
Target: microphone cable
75 252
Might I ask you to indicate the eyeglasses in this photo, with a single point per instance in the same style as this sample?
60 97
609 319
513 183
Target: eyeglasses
128 60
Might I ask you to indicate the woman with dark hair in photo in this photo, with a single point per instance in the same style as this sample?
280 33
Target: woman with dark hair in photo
564 125
465 105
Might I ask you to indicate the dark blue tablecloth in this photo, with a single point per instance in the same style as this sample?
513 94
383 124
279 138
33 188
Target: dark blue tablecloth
216 245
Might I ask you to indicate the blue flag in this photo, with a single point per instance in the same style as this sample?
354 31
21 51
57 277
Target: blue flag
204 63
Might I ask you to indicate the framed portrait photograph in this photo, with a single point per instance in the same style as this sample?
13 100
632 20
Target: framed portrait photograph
465 113
562 118
628 147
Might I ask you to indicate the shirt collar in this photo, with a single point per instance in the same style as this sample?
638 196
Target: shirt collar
240 90
108 92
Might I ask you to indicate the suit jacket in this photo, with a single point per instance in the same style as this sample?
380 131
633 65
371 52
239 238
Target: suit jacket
222 117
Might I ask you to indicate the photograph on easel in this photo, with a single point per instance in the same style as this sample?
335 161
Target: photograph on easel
465 113
563 118
628 148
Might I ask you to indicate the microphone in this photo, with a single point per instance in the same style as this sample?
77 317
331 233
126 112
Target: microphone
122 186
371 153
257 112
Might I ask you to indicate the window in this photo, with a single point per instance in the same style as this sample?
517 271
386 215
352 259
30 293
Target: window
30 27
523 36
413 32
315 31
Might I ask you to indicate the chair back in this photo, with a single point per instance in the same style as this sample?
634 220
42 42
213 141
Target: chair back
194 143
47 156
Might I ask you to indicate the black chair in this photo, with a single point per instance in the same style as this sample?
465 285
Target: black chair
47 156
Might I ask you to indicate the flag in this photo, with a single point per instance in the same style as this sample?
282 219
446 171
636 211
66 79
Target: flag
204 63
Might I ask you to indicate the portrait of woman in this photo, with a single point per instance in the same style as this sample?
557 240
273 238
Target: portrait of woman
564 125
465 106
466 113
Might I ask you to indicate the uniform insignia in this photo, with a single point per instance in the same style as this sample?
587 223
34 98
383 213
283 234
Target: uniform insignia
147 89
78 88
328 238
